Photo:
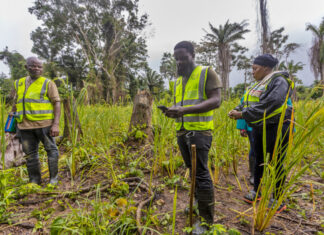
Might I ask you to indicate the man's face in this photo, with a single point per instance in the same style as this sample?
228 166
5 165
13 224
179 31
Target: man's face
259 72
34 68
184 60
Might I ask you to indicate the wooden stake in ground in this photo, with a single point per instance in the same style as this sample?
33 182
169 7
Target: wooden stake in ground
193 183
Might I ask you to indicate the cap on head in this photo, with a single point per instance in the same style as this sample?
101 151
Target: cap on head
266 60
186 45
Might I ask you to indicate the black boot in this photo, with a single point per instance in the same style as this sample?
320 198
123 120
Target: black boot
251 166
53 169
206 204
33 169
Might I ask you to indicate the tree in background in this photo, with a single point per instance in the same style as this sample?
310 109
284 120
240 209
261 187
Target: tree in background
6 86
316 52
278 46
239 90
292 68
223 40
245 63
16 63
206 55
92 35
168 67
262 14
153 81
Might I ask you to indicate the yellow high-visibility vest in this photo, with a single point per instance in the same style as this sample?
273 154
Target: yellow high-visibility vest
33 103
251 99
194 93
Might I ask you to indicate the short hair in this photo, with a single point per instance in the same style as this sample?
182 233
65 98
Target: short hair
32 58
186 45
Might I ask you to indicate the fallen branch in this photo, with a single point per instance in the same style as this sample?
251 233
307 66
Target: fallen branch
20 224
137 179
139 212
297 222
139 186
33 202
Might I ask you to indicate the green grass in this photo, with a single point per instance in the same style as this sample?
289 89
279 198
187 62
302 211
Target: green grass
103 150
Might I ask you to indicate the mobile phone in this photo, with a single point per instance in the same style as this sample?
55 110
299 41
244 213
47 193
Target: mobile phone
162 107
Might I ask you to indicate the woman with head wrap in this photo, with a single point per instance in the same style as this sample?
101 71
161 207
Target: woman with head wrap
265 101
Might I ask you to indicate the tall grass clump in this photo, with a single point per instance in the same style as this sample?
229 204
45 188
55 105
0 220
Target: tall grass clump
73 126
309 124
165 147
227 142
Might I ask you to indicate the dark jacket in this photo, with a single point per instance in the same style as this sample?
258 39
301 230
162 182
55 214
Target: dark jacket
270 100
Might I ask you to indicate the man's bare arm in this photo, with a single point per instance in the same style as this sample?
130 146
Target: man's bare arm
55 131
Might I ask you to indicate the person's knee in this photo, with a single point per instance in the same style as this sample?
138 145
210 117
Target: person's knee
52 152
28 148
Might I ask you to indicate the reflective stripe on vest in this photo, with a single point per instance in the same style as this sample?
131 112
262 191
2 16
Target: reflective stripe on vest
249 100
33 103
194 94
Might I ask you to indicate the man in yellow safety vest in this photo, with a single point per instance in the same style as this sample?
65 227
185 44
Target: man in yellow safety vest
37 110
197 91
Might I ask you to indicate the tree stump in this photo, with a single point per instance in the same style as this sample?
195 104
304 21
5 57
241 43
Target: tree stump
14 155
140 127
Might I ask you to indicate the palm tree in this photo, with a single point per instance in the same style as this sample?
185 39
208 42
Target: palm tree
153 81
223 39
316 52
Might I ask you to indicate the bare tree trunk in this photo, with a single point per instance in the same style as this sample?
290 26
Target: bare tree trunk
264 25
224 75
140 127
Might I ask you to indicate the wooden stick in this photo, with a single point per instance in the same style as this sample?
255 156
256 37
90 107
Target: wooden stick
193 182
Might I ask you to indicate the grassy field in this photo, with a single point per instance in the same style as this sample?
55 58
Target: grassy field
118 188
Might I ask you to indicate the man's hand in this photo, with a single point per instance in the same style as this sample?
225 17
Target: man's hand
175 112
12 114
234 114
243 133
55 131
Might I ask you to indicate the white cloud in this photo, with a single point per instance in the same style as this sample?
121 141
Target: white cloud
16 24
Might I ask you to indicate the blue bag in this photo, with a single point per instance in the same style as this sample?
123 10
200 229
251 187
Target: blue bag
10 124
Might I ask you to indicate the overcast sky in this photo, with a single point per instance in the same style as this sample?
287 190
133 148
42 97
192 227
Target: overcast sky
176 20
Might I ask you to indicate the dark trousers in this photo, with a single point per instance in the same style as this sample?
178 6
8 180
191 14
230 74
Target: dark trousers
271 134
251 153
30 142
203 143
